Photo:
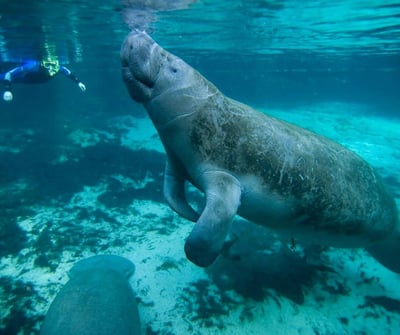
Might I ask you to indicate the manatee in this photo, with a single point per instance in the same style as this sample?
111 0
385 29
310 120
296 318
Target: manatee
97 300
270 172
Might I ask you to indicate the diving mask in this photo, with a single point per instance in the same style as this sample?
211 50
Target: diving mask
51 65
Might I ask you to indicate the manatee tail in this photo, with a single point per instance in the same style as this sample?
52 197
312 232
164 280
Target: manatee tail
387 252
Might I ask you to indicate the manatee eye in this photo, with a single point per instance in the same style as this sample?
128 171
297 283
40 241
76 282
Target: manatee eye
174 70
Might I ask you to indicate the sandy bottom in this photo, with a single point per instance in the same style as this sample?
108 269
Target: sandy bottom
117 208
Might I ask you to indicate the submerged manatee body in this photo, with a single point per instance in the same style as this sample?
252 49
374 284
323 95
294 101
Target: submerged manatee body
268 171
97 300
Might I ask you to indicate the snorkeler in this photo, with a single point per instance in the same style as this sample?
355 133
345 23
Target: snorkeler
35 72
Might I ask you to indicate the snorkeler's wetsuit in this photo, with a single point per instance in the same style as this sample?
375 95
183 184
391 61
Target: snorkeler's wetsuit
32 72
35 72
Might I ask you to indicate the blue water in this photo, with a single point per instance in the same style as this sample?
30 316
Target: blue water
81 173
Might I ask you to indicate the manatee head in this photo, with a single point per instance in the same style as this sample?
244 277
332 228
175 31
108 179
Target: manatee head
147 69
92 264
166 85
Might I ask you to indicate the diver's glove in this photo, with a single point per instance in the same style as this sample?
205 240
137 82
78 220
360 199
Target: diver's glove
7 96
82 87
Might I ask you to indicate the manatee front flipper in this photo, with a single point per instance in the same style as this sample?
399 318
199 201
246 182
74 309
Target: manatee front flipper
174 192
206 240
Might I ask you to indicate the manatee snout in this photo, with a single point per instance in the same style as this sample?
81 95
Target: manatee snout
141 60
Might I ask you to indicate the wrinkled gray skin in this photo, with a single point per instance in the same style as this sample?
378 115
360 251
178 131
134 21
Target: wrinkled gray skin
97 300
247 163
